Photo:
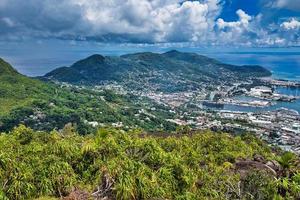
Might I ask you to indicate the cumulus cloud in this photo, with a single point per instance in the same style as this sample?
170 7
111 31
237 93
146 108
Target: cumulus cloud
141 21
156 20
186 22
243 22
291 25
235 31
148 20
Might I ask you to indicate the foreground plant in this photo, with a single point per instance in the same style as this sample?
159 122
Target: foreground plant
115 164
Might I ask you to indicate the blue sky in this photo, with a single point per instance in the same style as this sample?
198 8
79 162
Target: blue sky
250 23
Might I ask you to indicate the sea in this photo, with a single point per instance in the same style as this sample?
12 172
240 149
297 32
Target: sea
36 58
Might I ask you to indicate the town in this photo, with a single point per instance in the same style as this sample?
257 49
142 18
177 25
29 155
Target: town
204 109
279 127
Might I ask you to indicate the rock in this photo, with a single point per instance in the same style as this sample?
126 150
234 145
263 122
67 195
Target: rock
243 167
274 165
258 158
78 195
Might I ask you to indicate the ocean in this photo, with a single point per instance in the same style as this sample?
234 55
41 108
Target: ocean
36 58
295 105
283 62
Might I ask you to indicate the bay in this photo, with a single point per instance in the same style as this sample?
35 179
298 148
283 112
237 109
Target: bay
295 105
36 58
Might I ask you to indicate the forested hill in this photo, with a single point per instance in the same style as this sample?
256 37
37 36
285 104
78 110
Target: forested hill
51 150
174 70
47 106
6 68
17 89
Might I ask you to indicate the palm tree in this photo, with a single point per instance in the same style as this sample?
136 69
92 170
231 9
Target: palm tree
287 162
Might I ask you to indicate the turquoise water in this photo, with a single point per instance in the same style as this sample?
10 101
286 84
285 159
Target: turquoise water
290 105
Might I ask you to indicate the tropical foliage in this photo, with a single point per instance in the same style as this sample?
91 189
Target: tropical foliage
47 106
115 164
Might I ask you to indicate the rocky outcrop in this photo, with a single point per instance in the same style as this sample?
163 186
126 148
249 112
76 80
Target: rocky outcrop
243 167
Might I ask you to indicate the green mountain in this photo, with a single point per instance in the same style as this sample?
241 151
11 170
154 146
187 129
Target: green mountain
16 89
170 71
47 106
55 162
6 68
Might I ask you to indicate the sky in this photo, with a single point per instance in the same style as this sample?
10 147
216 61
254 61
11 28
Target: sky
250 23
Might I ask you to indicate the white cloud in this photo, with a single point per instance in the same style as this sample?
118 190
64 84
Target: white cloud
243 22
158 20
140 21
287 4
151 20
8 22
235 32
186 22
291 25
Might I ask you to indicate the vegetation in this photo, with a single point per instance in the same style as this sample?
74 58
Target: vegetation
58 151
49 111
16 89
46 106
130 165
172 71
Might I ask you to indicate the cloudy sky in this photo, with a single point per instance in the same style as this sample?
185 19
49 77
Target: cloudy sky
203 22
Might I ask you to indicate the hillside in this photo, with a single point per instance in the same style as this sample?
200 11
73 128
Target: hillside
66 148
6 68
47 106
114 164
168 72
16 89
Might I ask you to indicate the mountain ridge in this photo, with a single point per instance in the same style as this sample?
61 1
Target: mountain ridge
154 70
47 106
6 68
